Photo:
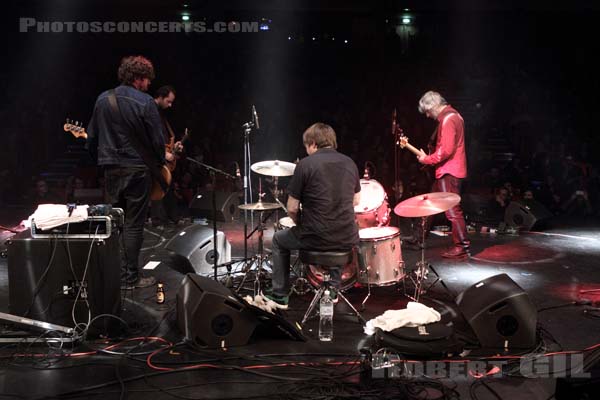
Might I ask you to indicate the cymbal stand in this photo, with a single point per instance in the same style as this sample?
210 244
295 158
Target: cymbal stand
260 258
421 271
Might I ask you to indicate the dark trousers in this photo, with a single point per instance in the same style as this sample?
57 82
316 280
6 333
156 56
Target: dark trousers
284 241
450 184
165 210
129 188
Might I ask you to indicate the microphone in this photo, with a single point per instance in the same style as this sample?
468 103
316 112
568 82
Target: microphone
366 173
255 116
394 122
237 170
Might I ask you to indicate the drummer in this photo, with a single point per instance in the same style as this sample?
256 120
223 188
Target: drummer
327 185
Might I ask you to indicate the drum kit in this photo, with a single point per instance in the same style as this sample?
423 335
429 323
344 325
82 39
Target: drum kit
380 244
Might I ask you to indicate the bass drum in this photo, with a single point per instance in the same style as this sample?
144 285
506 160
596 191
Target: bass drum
373 209
314 274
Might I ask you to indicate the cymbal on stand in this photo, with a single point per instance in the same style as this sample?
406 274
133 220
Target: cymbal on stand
427 204
259 206
274 168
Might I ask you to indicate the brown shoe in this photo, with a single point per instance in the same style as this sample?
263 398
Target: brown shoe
456 252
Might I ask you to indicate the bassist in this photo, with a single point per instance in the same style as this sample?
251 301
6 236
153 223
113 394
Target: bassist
125 132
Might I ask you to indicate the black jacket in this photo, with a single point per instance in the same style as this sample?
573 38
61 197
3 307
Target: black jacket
109 133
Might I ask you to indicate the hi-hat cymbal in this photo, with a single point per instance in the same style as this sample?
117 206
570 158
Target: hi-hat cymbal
427 204
274 168
260 206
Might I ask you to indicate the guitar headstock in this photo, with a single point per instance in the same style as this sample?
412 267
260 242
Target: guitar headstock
75 128
402 141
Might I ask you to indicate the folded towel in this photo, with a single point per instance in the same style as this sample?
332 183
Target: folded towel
415 314
48 216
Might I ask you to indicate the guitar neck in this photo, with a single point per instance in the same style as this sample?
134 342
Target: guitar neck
413 149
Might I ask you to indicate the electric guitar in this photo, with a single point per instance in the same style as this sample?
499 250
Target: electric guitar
157 192
403 142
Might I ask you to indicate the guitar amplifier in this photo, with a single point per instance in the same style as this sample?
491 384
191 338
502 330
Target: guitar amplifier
96 226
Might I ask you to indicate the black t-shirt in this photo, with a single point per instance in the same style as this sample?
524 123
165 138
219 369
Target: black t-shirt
325 183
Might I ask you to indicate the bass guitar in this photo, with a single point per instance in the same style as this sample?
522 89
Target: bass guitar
157 192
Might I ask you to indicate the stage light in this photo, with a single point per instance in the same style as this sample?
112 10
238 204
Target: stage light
406 20
289 38
346 41
185 17
264 27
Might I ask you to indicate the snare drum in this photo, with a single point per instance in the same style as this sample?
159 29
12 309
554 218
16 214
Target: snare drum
373 209
380 247
285 223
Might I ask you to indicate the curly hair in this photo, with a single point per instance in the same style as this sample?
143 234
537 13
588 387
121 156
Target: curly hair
135 67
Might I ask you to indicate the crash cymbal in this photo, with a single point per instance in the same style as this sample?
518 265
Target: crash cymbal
274 168
427 204
260 206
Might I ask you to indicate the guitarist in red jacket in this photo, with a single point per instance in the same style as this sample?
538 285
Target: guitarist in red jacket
450 161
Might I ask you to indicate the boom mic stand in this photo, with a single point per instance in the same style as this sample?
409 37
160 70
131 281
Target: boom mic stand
247 182
213 171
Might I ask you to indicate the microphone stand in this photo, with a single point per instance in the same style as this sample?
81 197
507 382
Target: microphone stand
213 171
247 183
396 132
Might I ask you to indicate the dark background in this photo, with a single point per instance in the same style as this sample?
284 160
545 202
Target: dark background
524 73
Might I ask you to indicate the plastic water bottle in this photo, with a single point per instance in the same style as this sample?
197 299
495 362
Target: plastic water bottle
326 318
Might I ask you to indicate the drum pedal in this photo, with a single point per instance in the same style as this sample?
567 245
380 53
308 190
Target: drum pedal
301 287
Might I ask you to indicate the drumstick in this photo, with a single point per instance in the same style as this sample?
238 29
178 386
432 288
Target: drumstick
281 204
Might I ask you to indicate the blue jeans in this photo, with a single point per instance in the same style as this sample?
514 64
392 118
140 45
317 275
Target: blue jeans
129 188
284 242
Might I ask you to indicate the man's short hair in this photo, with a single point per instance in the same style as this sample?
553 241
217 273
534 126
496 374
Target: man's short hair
164 91
321 135
135 67
431 100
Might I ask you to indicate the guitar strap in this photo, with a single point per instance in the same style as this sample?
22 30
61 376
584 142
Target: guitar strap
134 138
433 139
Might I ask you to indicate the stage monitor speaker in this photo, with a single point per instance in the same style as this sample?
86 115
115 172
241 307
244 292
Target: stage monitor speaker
209 315
226 205
500 313
527 215
192 250
46 274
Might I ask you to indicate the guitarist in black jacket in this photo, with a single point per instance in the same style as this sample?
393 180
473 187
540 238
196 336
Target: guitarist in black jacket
125 132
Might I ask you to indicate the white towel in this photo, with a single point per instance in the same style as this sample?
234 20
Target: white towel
415 314
264 303
48 216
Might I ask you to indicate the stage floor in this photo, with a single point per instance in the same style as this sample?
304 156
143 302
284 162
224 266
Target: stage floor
553 267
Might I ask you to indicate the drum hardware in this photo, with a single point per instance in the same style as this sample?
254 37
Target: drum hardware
260 228
423 206
301 285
